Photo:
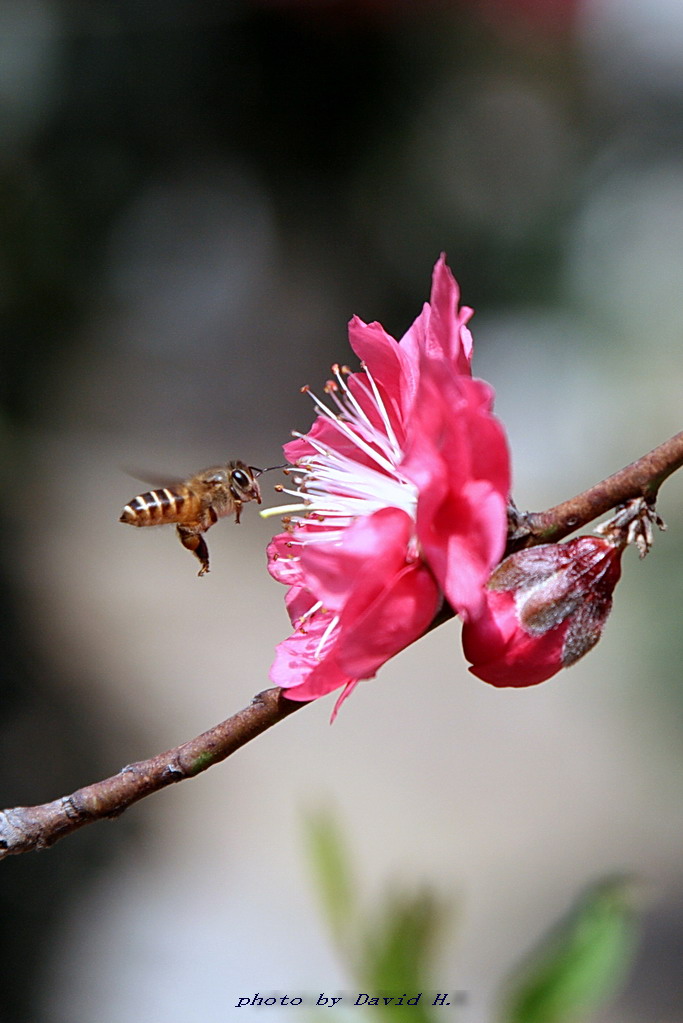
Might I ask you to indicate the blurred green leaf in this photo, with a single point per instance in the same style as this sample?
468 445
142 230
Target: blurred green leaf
390 956
332 870
399 952
580 964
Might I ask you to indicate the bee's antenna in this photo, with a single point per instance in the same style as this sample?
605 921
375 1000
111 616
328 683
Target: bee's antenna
260 472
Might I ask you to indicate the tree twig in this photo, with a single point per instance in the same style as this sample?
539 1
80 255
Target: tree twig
641 478
26 828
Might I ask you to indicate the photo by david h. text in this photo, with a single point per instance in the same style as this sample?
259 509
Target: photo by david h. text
360 998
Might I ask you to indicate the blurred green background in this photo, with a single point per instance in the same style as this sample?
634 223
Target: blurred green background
194 199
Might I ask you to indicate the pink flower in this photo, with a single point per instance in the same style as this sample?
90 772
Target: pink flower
545 608
401 494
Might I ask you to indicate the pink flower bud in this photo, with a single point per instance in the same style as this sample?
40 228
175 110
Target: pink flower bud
544 609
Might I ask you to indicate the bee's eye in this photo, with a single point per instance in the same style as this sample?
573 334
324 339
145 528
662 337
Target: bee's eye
241 479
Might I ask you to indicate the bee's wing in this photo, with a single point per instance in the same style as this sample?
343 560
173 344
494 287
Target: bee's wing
155 479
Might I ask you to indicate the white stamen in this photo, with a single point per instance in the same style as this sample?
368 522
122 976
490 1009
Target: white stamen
351 400
383 412
325 636
344 428
307 614
282 509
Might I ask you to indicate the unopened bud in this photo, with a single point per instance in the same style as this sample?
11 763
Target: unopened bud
544 609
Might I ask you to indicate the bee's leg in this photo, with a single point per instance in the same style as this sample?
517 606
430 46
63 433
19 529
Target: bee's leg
191 538
238 509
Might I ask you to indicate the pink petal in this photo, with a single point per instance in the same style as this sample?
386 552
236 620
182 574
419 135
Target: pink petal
448 335
344 695
283 560
372 551
397 616
461 514
440 331
298 669
305 663
393 366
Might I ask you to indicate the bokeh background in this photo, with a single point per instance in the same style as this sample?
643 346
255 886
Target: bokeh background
195 197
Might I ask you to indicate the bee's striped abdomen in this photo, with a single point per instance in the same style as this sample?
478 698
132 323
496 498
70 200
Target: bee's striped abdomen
168 504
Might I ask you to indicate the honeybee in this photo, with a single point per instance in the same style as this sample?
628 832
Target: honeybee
196 504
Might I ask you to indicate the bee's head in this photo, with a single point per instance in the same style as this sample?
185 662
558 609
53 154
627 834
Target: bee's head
243 485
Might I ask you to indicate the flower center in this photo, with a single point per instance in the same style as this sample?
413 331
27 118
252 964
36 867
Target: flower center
337 484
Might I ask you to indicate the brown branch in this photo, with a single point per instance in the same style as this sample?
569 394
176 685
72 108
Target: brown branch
25 828
641 478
